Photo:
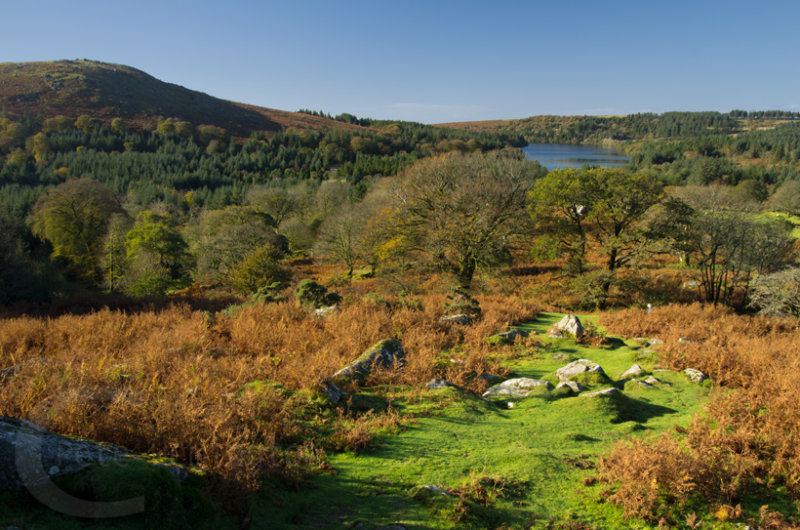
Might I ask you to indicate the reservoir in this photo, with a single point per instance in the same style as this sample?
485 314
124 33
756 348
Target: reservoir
558 156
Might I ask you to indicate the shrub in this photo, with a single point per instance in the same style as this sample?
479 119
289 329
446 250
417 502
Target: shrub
261 268
777 294
312 294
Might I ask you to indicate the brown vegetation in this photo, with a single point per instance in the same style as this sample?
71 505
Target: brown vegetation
747 442
175 381
108 91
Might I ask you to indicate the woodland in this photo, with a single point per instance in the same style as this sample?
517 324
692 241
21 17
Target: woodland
188 294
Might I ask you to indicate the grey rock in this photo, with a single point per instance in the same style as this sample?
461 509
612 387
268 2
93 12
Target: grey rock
556 335
560 356
695 376
691 284
52 455
518 387
436 490
650 380
653 342
507 337
570 325
573 385
581 366
387 353
323 312
633 371
685 340
641 383
461 318
605 392
334 393
435 384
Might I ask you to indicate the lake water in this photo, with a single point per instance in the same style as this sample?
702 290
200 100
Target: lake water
557 156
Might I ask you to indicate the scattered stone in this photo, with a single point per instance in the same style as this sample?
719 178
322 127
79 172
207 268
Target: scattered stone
650 380
691 284
507 337
581 366
605 392
436 490
633 371
638 382
510 405
329 310
436 383
461 318
572 385
560 356
653 342
684 340
334 393
387 353
645 353
695 376
518 387
51 455
570 325
492 379
556 335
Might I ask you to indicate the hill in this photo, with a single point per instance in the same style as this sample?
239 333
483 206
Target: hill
107 91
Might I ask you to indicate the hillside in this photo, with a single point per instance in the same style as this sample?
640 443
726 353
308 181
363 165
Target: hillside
107 91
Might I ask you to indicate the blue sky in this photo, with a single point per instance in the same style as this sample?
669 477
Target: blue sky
435 61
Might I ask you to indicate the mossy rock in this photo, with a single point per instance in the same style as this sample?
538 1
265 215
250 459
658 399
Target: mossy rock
591 380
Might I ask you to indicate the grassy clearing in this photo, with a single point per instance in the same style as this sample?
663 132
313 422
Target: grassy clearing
516 467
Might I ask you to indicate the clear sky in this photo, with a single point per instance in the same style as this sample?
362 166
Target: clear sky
436 60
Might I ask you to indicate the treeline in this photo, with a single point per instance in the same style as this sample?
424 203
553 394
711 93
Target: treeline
594 129
765 114
177 157
772 156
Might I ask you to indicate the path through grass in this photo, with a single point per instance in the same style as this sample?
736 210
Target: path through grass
520 467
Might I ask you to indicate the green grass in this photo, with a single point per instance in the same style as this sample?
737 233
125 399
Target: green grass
519 467
541 450
793 219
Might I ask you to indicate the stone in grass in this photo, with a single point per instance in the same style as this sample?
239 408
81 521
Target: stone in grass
421 493
436 384
519 387
579 367
387 353
633 371
652 380
636 384
572 385
605 392
695 376
323 312
333 392
507 337
461 318
569 326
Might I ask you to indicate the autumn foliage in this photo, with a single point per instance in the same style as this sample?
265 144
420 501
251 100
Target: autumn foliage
232 394
745 445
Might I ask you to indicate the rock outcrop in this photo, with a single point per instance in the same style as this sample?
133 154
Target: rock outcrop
579 367
569 326
517 388
385 354
30 455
